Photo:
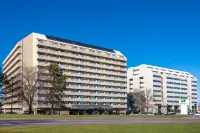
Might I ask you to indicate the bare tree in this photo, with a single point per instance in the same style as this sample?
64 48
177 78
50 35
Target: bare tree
30 79
144 98
140 98
148 94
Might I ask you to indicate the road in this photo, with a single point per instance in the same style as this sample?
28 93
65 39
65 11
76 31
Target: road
68 121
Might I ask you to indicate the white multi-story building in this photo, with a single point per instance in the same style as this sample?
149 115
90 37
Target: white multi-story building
96 75
168 86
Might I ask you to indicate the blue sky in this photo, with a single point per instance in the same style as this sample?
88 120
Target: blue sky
163 33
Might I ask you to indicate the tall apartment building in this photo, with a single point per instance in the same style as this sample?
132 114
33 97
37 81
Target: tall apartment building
96 75
168 86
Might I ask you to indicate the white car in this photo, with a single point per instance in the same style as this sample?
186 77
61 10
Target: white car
198 113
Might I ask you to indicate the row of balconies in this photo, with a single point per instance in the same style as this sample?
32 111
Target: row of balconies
62 60
92 88
98 72
16 64
67 47
88 100
83 57
97 88
69 93
69 105
97 83
15 54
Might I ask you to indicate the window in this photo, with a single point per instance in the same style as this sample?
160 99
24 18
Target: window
92 103
158 81
183 88
183 92
74 96
107 98
169 96
107 92
92 86
81 90
172 101
177 92
177 83
98 91
114 92
184 84
170 83
74 91
156 90
156 86
169 91
141 77
157 76
170 87
81 84
194 89
81 102
92 97
194 85
170 78
194 98
108 86
156 95
81 97
92 91
194 93
97 103
74 102
183 80
176 88
194 81
177 79
123 88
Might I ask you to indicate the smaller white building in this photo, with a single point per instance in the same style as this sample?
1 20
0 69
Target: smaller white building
168 86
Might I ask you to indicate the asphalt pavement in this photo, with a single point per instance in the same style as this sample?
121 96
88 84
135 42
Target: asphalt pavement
70 121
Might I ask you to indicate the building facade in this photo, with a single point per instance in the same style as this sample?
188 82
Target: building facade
168 86
96 75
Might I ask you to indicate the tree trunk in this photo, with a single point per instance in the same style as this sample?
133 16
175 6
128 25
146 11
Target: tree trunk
52 109
30 109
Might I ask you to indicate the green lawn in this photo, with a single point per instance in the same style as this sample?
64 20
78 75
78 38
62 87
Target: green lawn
86 116
108 128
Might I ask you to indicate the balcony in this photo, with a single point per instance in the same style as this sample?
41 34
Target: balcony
69 48
77 56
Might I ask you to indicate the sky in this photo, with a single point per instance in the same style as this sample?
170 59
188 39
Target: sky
163 33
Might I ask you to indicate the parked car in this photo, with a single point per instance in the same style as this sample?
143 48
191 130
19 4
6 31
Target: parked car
10 113
54 113
105 113
142 113
198 113
150 113
1 112
95 113
27 112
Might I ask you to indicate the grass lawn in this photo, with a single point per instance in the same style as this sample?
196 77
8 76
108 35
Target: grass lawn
86 116
108 128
